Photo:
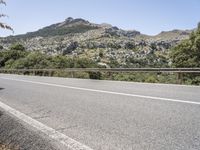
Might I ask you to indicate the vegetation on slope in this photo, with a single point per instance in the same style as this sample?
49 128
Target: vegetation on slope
48 31
185 54
18 58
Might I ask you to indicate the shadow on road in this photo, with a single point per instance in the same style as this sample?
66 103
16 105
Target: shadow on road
1 88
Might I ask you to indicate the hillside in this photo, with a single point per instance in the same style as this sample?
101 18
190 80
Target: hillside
103 43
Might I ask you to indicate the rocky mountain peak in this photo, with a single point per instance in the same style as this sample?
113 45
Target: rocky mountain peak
105 25
71 21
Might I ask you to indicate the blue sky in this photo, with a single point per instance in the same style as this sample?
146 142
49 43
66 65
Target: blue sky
147 16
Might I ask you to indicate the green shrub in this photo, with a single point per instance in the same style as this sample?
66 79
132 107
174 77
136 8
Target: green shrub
151 79
95 75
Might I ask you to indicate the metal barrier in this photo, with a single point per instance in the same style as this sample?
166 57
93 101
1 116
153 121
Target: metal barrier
173 70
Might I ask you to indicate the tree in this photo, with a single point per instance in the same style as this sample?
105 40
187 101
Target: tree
84 62
187 53
34 60
60 62
8 55
101 53
129 45
199 26
12 54
17 47
3 25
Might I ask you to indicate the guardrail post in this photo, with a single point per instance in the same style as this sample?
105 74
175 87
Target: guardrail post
72 74
50 73
109 75
180 78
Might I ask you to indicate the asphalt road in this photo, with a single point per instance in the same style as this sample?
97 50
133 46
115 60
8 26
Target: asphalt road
108 115
18 136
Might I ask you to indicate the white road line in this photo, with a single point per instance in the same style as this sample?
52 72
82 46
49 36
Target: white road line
107 92
52 133
112 81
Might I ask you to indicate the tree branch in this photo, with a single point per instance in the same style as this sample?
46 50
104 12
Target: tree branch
2 2
3 15
5 26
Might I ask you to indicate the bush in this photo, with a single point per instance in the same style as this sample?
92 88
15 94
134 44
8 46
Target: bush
95 75
84 63
34 60
17 47
7 55
151 79
59 62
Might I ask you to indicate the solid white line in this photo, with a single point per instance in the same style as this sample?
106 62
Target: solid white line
52 133
107 92
112 81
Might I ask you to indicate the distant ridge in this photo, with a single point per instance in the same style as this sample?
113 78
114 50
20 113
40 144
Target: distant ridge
79 37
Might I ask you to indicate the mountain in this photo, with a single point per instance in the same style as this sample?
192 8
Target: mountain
78 37
69 26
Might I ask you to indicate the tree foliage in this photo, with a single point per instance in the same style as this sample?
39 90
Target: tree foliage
17 47
199 25
187 53
12 55
16 57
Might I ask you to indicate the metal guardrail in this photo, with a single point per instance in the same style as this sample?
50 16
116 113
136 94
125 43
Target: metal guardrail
128 70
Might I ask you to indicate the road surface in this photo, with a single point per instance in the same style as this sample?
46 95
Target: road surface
109 115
